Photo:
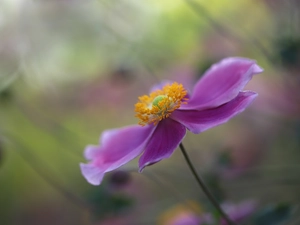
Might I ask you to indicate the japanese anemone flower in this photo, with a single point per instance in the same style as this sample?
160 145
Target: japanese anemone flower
167 112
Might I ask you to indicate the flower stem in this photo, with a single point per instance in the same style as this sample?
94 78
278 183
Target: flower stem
204 187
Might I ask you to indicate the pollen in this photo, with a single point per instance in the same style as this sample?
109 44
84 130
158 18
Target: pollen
150 109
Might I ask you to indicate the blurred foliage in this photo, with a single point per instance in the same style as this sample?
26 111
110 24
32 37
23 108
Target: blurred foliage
289 51
105 203
274 215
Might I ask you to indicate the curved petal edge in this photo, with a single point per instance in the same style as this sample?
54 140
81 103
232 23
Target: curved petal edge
91 173
118 147
222 83
198 121
163 142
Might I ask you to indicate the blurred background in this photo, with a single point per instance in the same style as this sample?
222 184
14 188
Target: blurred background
70 69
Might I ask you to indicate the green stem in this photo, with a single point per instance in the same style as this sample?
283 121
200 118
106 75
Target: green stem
204 187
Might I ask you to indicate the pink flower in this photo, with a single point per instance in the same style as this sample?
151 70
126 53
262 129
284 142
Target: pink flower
183 215
184 219
189 213
166 114
239 212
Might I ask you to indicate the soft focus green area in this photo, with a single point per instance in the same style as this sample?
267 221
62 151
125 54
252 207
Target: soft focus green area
70 69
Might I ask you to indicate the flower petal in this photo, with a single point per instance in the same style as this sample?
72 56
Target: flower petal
239 212
92 173
118 146
199 121
91 151
164 140
222 83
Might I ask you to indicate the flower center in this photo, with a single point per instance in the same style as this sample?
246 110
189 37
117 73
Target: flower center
158 99
160 103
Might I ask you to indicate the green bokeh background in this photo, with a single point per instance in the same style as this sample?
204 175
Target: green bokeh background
72 69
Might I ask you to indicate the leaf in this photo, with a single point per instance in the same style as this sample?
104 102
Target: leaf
273 214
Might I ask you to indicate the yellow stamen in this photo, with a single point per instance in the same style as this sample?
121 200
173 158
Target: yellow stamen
160 103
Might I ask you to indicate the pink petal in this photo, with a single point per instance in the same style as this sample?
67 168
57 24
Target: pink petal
91 151
118 147
92 173
186 218
239 212
222 83
165 139
198 121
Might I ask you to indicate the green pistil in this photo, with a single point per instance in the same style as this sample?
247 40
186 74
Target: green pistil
157 99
